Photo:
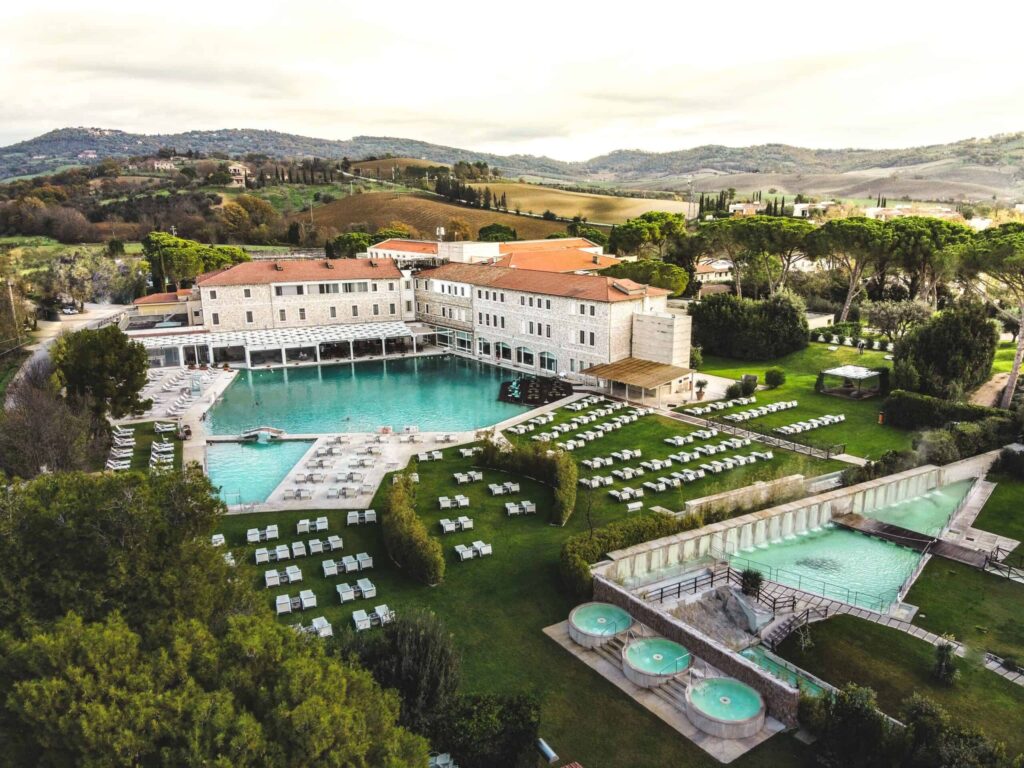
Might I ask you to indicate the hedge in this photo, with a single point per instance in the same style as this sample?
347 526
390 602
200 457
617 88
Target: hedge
533 460
726 325
583 549
967 438
910 410
406 538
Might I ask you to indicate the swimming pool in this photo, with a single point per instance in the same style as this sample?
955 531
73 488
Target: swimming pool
247 473
927 513
433 393
836 563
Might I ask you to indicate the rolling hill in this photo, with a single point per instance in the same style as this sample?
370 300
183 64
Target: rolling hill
596 208
968 169
378 209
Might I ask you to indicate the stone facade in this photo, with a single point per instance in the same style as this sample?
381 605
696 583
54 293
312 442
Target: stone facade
327 302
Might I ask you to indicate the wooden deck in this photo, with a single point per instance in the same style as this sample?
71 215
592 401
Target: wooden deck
912 539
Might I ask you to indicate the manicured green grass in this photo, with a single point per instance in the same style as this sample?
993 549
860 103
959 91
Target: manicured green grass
648 434
496 608
980 609
861 432
1003 513
1005 353
847 649
144 437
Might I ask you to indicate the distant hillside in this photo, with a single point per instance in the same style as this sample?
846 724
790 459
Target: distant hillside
378 209
973 168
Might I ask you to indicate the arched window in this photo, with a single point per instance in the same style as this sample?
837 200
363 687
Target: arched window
548 362
524 356
483 346
503 351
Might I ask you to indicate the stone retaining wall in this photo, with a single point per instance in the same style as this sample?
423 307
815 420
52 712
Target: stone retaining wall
781 700
749 497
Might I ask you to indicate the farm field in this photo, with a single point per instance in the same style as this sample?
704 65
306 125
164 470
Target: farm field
605 209
378 209
384 165
861 432
496 608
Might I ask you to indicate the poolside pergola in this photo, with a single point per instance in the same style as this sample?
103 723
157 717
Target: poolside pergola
278 346
856 382
636 372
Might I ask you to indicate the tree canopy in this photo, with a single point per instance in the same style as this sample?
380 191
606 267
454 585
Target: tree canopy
104 368
854 246
651 272
175 259
497 233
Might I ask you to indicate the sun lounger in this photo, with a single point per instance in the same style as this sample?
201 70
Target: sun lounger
262 556
383 615
283 604
366 588
447 526
482 549
293 573
252 536
465 523
365 561
361 620
634 506
302 526
281 552
271 579
308 599
349 564
298 549
321 627
370 516
334 543
330 568
464 552
345 593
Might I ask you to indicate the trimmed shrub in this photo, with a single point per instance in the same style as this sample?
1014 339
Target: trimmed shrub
852 330
727 325
696 358
909 410
406 538
733 391
937 446
531 460
750 582
748 385
774 377
1010 462
583 549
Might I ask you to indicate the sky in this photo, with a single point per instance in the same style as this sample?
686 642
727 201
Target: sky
567 79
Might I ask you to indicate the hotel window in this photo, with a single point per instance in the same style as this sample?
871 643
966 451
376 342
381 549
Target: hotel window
248 317
391 286
408 306
592 310
583 309
216 318
282 314
289 290
583 337
419 307
479 293
548 303
334 311
480 318
531 301
592 342
302 313
549 331
355 311
213 294
247 293
373 287
376 309
408 285
531 327
502 322
391 309
502 297
522 301
328 287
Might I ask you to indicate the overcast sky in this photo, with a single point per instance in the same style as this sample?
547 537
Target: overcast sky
566 79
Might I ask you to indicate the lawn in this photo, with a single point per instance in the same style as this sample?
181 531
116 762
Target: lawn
648 434
980 609
496 608
847 649
861 432
1003 513
144 437
1005 353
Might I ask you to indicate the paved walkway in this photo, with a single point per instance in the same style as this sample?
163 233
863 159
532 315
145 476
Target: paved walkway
995 664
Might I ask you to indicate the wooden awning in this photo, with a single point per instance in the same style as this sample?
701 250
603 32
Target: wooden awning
638 373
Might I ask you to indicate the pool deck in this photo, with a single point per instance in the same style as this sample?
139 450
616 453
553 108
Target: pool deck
723 750
393 456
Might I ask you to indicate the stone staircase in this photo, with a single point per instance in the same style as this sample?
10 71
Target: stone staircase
672 692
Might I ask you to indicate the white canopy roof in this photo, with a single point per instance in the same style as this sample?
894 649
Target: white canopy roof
855 372
275 338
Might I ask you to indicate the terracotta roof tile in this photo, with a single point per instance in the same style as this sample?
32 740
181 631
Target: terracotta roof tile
407 246
303 271
163 298
568 260
586 287
554 244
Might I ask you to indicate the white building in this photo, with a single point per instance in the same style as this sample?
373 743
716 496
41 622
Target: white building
420 253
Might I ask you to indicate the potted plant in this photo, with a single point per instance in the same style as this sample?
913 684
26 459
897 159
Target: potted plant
701 385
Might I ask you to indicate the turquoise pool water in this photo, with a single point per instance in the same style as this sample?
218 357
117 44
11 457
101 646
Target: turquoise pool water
757 655
658 656
928 513
246 473
601 619
837 563
726 699
433 393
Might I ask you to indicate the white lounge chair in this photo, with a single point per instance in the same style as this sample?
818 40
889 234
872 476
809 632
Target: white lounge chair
361 620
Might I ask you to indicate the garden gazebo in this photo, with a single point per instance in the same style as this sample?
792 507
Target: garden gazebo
855 382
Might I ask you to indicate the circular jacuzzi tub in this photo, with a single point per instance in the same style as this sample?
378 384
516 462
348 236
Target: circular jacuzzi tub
594 624
651 661
725 707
